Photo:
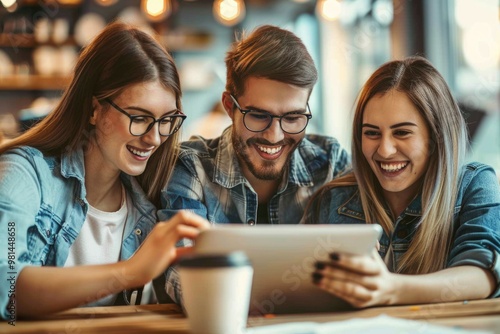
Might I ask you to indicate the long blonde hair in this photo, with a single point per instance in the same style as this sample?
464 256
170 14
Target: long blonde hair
428 91
120 56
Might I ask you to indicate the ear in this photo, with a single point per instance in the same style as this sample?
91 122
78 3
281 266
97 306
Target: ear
96 106
228 104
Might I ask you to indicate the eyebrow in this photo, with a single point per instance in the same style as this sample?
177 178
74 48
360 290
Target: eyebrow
298 111
168 113
366 125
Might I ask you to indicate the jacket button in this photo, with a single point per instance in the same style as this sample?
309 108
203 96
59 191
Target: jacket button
251 222
138 231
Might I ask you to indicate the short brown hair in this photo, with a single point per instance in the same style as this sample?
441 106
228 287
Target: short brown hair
272 53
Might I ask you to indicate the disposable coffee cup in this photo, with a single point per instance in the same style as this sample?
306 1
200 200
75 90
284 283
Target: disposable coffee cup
216 292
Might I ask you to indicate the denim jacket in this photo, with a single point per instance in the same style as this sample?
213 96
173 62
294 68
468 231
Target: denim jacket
42 209
476 239
208 180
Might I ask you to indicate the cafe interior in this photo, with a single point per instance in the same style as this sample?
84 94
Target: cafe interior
348 39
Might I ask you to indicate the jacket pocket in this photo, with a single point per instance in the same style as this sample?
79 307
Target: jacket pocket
41 235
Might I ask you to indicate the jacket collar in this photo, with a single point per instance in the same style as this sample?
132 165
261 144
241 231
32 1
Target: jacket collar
73 165
353 208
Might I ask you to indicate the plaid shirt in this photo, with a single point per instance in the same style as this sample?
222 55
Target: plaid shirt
208 180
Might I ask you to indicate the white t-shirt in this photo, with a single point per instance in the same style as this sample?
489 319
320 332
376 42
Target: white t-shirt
100 241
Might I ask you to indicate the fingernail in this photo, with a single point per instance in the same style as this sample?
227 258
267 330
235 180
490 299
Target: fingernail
319 265
316 277
334 256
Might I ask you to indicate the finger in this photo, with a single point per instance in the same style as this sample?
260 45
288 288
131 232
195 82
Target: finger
377 257
185 231
354 294
189 218
166 233
361 264
337 274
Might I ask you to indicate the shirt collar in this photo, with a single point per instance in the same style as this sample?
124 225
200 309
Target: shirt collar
227 168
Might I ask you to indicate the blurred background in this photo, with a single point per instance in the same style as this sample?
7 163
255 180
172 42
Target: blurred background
349 39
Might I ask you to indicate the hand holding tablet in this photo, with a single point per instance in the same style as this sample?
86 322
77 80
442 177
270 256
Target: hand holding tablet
283 258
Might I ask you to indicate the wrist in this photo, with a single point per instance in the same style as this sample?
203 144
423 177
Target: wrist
128 275
397 289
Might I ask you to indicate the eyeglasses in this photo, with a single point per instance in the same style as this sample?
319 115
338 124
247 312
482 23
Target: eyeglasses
141 124
258 121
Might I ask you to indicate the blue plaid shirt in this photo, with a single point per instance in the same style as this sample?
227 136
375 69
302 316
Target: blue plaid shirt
208 180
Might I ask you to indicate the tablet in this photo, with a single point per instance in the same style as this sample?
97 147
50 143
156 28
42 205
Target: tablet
283 258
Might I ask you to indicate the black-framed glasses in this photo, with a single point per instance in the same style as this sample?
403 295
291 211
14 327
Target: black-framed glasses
258 121
141 124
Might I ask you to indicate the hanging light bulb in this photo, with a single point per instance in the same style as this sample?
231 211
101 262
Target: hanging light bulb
69 2
106 3
156 10
229 12
329 9
8 3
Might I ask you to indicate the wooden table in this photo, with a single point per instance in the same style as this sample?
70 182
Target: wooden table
167 318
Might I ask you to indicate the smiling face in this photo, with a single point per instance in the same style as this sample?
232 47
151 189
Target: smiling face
116 149
395 142
265 155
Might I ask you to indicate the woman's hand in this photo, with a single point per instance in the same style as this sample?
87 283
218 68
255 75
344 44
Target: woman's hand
158 251
362 281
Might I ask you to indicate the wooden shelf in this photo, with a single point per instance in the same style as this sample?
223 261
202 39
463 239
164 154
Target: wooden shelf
28 41
34 82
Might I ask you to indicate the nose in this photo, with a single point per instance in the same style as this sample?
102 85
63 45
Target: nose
274 133
387 147
152 137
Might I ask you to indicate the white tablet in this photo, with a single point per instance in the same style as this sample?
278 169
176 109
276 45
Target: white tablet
283 258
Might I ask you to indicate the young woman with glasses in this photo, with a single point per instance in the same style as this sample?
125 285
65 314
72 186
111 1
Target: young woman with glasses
78 191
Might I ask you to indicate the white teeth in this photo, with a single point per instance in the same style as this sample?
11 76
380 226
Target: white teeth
269 150
393 167
140 153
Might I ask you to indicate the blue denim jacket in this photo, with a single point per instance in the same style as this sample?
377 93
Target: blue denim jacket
42 209
208 180
476 221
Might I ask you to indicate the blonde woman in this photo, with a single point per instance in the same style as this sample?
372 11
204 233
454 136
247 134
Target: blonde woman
77 191
440 215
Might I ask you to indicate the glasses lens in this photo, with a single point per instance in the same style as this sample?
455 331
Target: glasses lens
169 125
256 120
140 125
294 123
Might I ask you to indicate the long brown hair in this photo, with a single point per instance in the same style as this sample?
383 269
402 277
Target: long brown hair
120 56
428 91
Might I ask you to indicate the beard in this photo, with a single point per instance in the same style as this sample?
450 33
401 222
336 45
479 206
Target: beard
263 170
